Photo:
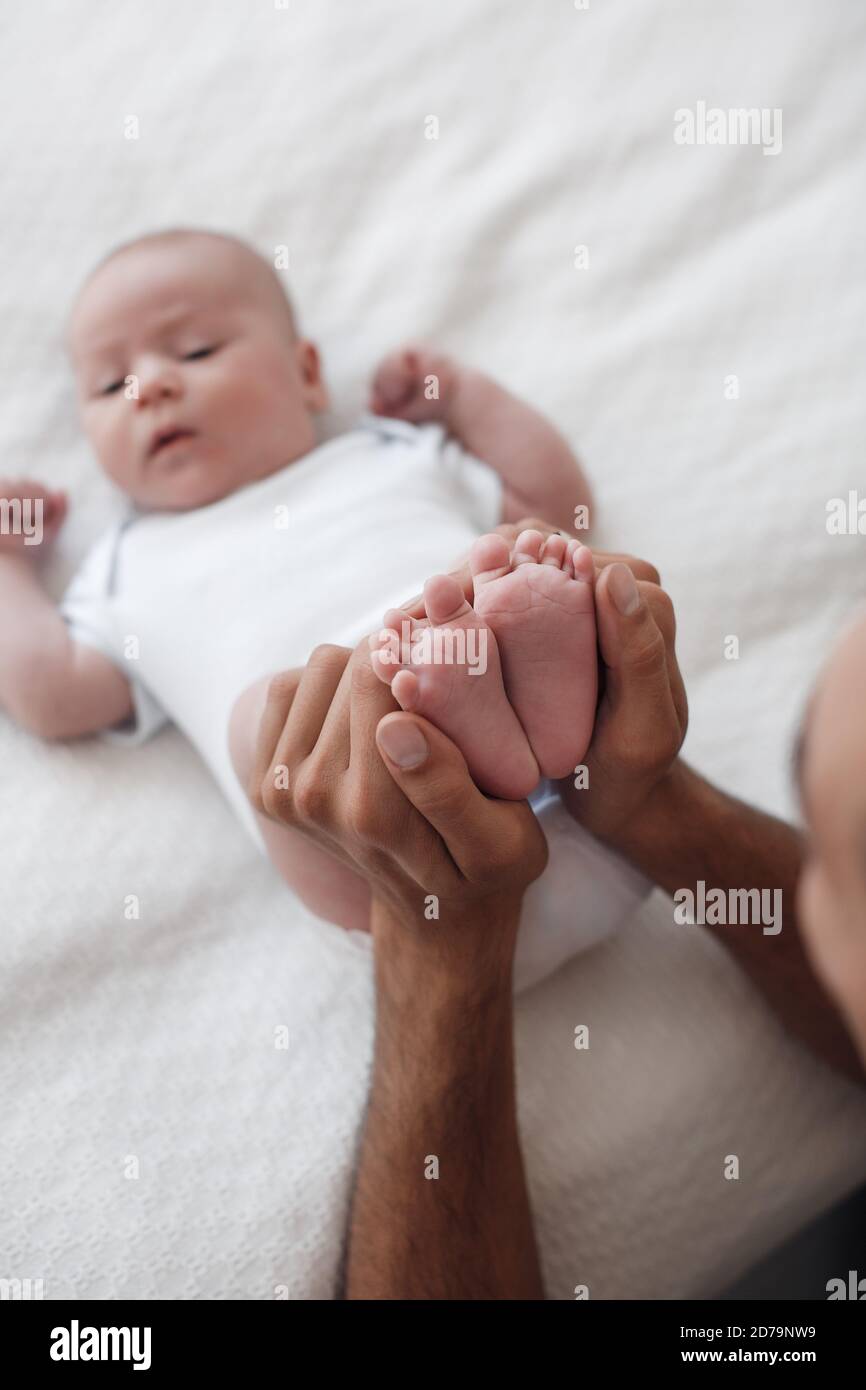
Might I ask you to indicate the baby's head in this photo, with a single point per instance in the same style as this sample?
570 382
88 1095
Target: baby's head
190 331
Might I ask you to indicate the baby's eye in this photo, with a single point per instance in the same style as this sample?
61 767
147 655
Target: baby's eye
112 387
197 353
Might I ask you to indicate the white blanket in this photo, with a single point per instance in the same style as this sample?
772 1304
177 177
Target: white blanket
159 1139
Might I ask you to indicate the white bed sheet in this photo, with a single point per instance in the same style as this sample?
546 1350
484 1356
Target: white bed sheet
155 1039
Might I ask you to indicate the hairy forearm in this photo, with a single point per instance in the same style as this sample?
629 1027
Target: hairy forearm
692 832
440 1209
534 461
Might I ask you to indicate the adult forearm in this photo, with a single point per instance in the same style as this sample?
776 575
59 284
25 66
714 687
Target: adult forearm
440 1208
689 834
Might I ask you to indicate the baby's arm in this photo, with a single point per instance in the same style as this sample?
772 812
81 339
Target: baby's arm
50 685
538 469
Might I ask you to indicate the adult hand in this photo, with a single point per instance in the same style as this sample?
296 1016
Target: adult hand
642 712
392 797
641 569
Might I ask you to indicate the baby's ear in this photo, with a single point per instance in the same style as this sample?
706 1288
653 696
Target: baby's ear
315 391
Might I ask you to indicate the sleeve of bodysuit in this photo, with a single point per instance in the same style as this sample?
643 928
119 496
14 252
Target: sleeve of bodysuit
88 609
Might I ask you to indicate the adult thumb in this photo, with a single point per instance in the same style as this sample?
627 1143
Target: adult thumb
432 773
632 645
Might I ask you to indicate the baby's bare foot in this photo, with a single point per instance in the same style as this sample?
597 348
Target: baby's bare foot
447 669
538 600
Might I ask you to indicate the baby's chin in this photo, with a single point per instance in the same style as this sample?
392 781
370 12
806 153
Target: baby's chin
186 494
187 487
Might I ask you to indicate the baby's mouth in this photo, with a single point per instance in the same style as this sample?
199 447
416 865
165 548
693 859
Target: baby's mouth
167 439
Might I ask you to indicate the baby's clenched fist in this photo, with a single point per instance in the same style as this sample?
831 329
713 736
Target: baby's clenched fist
414 384
30 516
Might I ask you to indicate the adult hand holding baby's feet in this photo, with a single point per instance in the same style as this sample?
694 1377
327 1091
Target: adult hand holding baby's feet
511 678
31 515
391 797
413 384
643 712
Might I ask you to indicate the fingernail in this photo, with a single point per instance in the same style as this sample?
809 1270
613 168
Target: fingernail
623 590
403 742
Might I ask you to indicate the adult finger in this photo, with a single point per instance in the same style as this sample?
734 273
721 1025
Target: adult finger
322 676
302 726
665 617
633 649
489 841
279 698
510 530
370 701
641 569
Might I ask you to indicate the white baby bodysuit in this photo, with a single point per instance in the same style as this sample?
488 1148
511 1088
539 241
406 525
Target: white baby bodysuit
194 606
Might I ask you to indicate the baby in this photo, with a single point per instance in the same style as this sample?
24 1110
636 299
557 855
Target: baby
244 537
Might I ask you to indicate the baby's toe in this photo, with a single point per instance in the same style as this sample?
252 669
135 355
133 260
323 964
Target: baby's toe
554 552
406 688
582 562
527 548
489 558
444 599
390 647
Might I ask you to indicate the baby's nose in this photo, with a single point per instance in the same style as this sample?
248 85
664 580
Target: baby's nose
158 380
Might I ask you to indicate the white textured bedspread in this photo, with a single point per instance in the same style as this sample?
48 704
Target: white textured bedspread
156 1142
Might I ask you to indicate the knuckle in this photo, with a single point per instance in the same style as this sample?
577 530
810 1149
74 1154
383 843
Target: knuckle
256 794
282 687
634 758
664 746
648 651
358 816
447 797
372 859
327 656
509 853
491 859
272 801
648 750
663 610
476 863
643 570
436 871
363 677
308 796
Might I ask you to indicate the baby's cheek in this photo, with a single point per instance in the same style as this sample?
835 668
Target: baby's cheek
115 450
232 400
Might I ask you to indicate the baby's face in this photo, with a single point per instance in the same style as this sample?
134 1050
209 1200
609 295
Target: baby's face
211 356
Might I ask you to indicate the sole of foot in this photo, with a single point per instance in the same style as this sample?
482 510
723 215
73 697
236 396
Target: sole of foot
538 600
447 669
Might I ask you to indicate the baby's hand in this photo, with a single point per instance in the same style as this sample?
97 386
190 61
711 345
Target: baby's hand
30 516
413 384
